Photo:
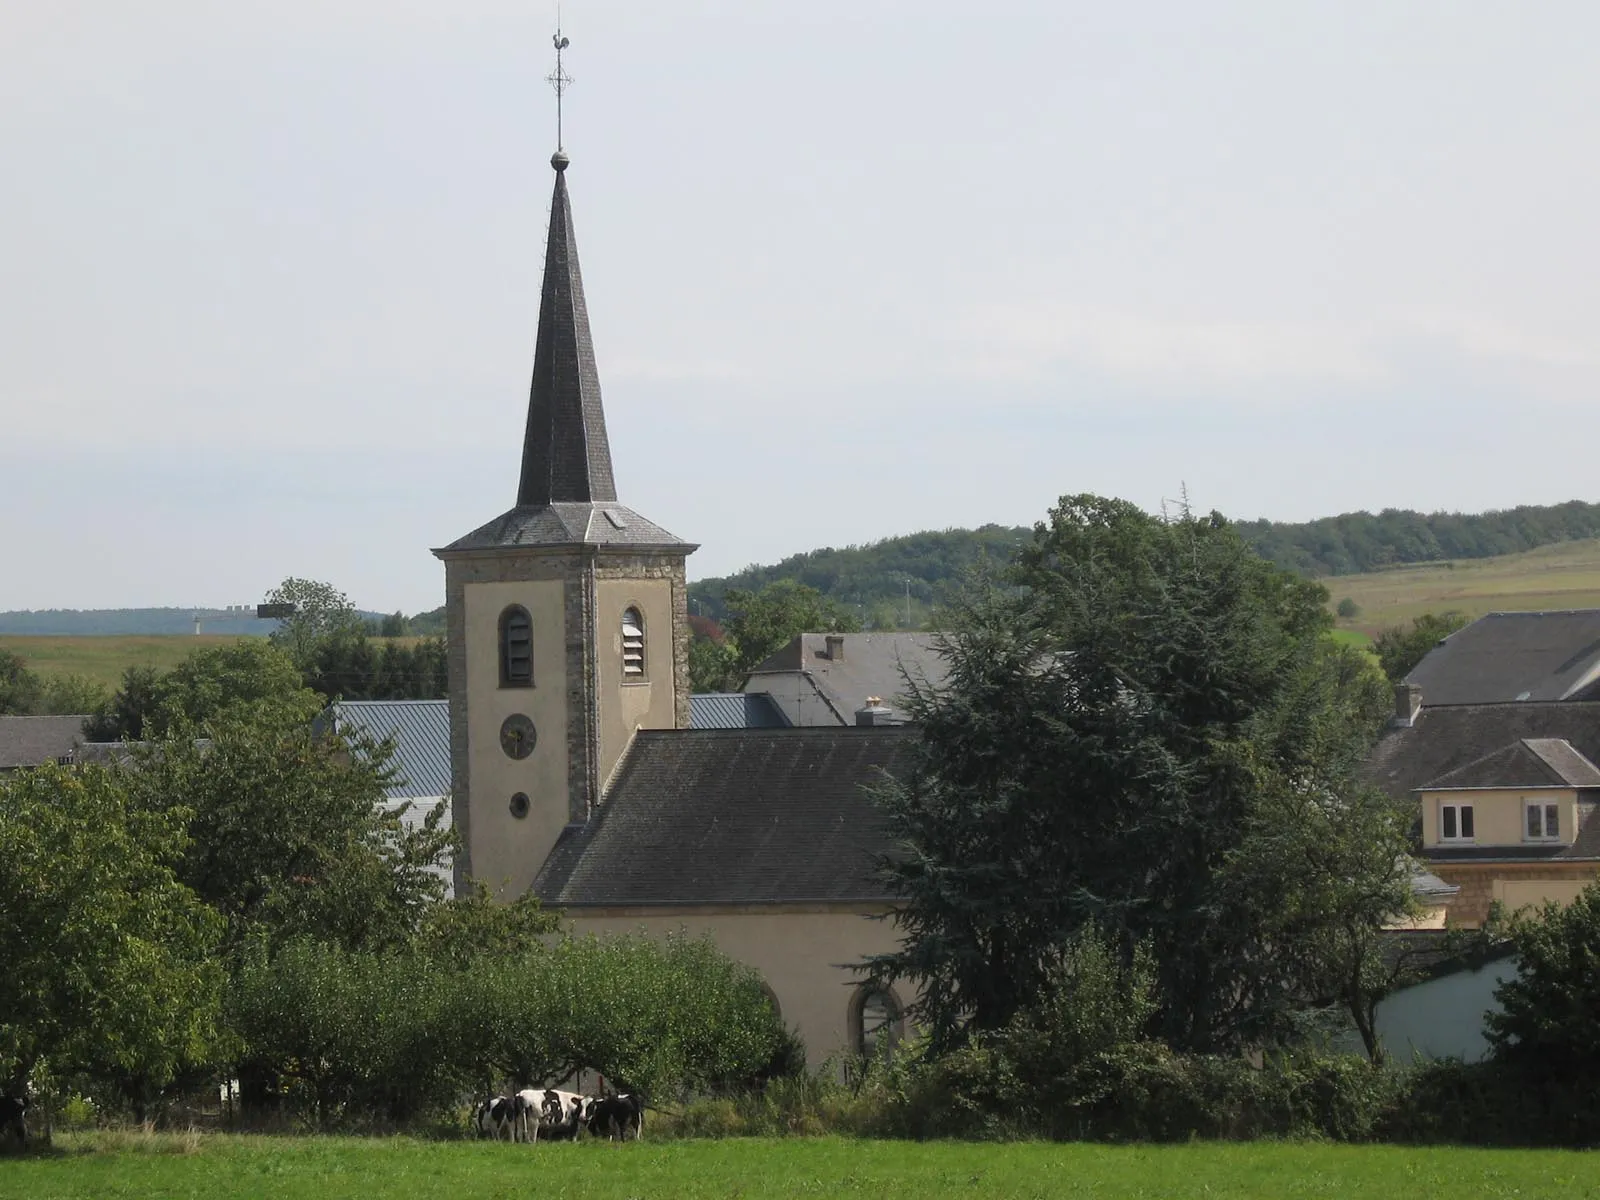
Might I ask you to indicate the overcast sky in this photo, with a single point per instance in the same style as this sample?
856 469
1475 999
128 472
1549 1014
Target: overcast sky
271 272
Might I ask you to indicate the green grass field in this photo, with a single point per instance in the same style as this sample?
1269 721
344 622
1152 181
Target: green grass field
217 1166
1566 575
103 659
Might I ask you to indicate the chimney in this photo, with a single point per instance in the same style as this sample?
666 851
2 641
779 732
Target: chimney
875 712
1407 703
836 647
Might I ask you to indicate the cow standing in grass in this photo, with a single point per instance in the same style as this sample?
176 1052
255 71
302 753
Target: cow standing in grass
14 1118
616 1117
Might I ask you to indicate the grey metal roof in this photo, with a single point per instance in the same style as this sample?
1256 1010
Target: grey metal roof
1526 763
420 731
733 816
1519 656
870 665
570 524
34 741
734 710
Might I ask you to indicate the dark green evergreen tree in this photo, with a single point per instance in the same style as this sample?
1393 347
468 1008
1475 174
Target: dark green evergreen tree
1129 736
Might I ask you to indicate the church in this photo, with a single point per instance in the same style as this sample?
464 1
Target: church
574 772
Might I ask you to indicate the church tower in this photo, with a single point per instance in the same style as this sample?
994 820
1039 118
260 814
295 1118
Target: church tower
567 615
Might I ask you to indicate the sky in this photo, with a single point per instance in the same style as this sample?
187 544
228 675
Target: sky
269 274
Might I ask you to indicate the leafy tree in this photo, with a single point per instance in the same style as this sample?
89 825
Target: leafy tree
1547 1019
1348 609
321 611
108 957
1120 738
19 687
1400 648
210 683
761 623
394 625
288 836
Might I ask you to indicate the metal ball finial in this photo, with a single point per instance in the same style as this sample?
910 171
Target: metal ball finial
559 160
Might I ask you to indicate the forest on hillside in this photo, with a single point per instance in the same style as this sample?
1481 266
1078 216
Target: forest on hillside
874 580
897 582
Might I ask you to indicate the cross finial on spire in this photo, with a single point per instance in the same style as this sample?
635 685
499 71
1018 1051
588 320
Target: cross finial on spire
561 81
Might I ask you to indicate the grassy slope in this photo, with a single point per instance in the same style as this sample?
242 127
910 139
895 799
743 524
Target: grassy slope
103 658
330 1168
1552 577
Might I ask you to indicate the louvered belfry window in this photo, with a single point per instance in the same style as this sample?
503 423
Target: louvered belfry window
632 644
516 647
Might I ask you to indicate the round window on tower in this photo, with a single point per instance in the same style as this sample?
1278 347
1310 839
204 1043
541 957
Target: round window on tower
519 805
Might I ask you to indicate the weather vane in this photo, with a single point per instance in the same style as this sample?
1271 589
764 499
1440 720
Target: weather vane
559 79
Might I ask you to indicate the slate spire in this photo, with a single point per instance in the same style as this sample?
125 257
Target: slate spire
565 454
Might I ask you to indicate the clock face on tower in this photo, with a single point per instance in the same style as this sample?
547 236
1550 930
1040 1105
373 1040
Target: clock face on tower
517 736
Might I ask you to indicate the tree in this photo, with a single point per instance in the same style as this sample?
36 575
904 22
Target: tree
1123 733
1348 609
19 687
1400 648
321 611
108 957
287 832
1547 1020
761 623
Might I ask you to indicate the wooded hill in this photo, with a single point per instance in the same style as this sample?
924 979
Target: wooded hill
879 581
872 579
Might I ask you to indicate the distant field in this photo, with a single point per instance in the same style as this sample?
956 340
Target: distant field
1562 576
103 659
328 1168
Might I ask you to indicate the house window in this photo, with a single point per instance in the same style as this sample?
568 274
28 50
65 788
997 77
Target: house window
516 647
632 644
1455 823
876 1020
1541 821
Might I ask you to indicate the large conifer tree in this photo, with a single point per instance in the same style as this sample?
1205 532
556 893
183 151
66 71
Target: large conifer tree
1146 728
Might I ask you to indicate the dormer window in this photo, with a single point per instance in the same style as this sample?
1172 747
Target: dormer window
516 647
1455 823
1541 821
632 644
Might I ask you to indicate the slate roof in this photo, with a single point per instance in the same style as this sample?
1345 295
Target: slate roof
34 741
1443 739
734 710
570 524
565 453
733 817
871 666
1526 763
420 730
1515 656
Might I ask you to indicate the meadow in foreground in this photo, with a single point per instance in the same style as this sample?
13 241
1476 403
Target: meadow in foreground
329 1168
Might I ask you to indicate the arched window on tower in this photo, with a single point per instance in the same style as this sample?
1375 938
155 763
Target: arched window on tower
633 661
516 647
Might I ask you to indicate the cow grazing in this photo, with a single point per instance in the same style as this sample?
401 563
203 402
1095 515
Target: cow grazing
14 1118
561 1114
616 1117
501 1116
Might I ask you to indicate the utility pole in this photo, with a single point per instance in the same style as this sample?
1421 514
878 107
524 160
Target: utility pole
908 604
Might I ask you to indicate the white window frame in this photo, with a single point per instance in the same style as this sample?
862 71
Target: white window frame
1546 809
1458 838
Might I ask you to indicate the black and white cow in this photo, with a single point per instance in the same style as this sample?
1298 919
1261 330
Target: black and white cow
502 1116
14 1118
562 1114
617 1117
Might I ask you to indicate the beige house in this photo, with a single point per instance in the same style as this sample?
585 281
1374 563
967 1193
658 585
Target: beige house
1505 795
574 772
